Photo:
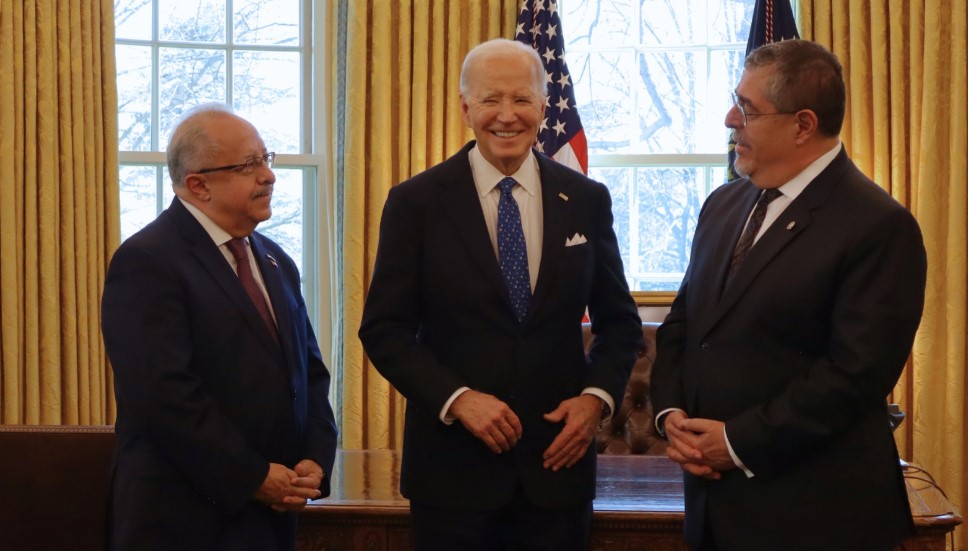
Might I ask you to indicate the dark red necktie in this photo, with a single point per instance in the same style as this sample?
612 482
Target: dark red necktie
745 242
241 254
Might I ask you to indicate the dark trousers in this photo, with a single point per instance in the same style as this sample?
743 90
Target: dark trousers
520 525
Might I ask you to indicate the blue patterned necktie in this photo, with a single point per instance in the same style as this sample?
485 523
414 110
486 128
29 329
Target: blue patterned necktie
512 251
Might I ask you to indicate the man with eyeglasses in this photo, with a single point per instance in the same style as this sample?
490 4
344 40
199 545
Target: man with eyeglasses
224 430
794 320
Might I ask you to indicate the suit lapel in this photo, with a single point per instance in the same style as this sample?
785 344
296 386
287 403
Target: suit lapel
557 219
272 278
460 201
793 221
212 259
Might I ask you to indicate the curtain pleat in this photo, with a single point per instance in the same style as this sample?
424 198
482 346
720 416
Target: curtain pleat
58 208
907 127
401 116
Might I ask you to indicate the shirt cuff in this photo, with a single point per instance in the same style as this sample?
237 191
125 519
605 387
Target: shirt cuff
445 416
659 426
606 397
749 473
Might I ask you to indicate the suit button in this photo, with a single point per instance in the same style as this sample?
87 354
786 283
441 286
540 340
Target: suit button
704 346
294 393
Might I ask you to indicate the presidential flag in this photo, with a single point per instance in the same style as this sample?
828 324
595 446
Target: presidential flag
560 135
772 21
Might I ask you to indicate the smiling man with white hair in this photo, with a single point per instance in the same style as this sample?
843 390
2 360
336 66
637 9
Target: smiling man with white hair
485 266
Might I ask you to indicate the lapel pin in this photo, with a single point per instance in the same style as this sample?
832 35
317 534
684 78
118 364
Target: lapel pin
563 196
791 224
272 260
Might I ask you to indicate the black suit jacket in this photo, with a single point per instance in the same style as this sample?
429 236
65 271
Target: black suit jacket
206 397
797 356
438 317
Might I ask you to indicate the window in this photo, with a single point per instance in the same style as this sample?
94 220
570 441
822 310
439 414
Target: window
255 55
652 82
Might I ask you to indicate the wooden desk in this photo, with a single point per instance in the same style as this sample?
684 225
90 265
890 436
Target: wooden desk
639 506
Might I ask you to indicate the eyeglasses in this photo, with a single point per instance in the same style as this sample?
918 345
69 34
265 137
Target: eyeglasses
746 115
248 167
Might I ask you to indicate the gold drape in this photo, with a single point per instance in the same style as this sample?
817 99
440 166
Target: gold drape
907 127
58 208
402 116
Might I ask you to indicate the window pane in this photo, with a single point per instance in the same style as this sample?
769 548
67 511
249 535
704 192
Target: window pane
266 90
285 225
132 19
606 22
189 77
619 184
139 199
267 22
673 23
192 20
134 97
604 95
730 20
669 96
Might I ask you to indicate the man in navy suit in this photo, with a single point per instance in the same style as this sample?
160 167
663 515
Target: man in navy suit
793 322
502 401
224 429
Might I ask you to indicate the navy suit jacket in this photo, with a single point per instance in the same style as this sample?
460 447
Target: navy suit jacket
796 356
438 317
206 397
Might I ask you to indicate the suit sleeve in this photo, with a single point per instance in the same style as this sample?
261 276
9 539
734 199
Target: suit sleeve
876 311
391 314
614 315
148 333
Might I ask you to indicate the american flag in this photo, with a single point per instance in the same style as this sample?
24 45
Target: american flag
560 135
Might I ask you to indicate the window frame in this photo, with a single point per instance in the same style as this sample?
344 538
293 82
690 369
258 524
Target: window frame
315 48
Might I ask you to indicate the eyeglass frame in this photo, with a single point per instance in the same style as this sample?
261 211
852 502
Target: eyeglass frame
248 166
746 115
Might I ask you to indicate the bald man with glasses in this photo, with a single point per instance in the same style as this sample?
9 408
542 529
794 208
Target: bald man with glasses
224 430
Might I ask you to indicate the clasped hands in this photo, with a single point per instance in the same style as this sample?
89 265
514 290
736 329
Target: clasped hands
698 445
494 423
286 489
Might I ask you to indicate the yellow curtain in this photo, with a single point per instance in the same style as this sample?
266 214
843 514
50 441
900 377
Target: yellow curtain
401 116
58 208
907 127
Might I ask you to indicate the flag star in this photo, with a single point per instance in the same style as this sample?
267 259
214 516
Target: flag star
524 6
535 31
540 147
553 8
564 80
563 104
541 6
548 78
560 127
544 125
520 29
548 55
552 31
547 101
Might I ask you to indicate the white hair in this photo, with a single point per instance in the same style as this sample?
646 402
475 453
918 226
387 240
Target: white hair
503 47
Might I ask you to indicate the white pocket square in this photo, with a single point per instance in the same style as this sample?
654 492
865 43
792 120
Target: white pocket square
577 239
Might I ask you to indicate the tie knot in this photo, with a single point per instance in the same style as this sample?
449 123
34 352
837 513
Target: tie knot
506 184
769 195
237 248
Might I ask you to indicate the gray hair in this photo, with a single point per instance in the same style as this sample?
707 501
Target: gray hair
504 47
190 143
805 75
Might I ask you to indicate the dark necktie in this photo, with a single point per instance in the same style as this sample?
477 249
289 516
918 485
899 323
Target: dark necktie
241 254
512 251
749 235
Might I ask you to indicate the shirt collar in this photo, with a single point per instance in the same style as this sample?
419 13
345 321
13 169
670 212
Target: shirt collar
798 183
487 177
218 235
